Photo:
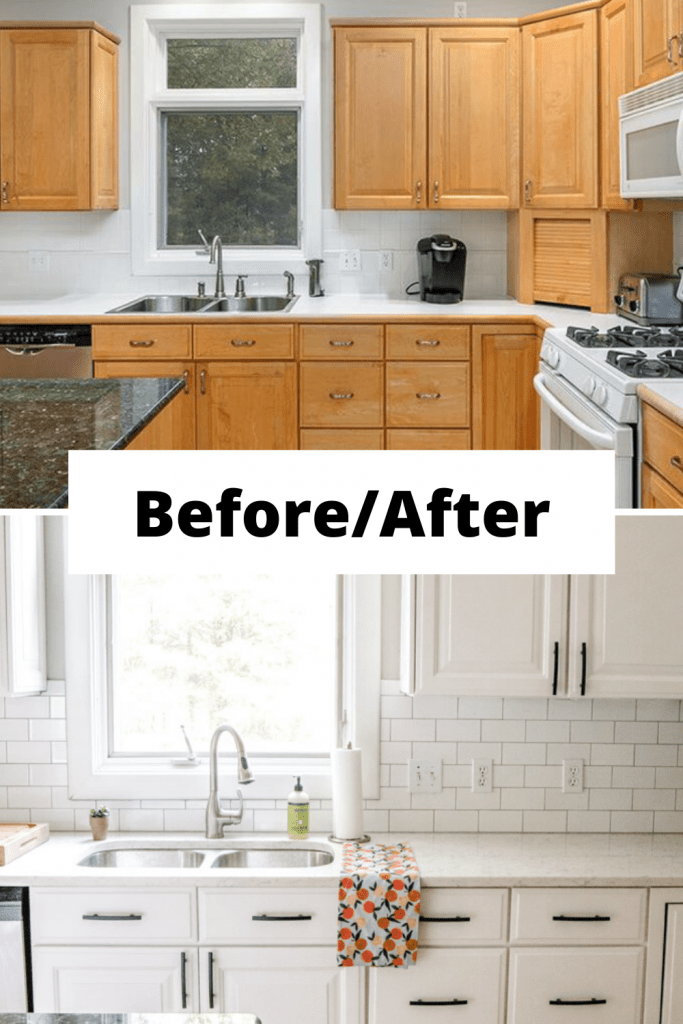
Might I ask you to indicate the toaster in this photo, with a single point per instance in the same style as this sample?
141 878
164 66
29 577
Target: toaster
649 299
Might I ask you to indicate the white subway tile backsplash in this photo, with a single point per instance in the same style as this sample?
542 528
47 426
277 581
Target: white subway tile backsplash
546 732
468 730
615 753
613 710
47 729
654 799
27 707
633 778
501 731
31 753
419 729
575 710
610 799
480 707
632 821
13 729
34 796
500 821
545 821
658 710
524 753
639 732
653 754
592 732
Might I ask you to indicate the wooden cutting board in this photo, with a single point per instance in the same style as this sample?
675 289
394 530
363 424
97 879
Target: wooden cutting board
17 839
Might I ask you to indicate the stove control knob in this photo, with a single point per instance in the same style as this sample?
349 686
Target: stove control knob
551 356
600 394
589 386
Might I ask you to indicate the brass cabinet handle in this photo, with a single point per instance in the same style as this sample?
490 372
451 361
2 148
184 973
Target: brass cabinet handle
186 376
429 395
418 193
670 49
680 46
202 382
142 344
242 342
527 191
341 395
5 192
436 193
427 342
341 344
676 462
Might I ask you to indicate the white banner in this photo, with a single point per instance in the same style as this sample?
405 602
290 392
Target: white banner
350 512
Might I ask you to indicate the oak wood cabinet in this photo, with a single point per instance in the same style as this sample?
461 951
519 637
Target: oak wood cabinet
174 428
506 408
617 77
245 405
58 118
656 493
662 469
658 39
560 104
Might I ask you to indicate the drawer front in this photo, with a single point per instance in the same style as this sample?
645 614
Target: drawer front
604 915
429 440
341 440
89 915
663 446
437 395
342 341
248 916
148 341
464 986
243 341
427 341
544 983
344 394
463 917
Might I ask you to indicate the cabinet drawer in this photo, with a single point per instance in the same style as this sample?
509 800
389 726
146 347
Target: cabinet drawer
544 915
243 341
247 916
427 341
428 440
85 915
541 977
341 440
437 395
663 445
342 341
149 341
463 917
464 986
343 394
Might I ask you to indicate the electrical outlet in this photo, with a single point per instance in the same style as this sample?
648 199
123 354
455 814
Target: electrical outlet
424 776
572 776
460 10
39 262
349 259
386 261
482 775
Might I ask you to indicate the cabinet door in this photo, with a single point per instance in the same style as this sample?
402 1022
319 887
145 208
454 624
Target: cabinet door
104 151
45 118
23 654
75 979
630 622
490 635
560 96
293 985
474 117
179 422
465 985
672 984
380 118
246 405
506 408
616 78
657 493
657 25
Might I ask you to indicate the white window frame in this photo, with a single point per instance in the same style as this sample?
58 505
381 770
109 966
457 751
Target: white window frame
93 775
150 28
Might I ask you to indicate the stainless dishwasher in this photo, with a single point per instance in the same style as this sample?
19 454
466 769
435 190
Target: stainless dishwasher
55 351
15 972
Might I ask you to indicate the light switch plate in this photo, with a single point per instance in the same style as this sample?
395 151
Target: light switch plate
424 775
349 260
38 262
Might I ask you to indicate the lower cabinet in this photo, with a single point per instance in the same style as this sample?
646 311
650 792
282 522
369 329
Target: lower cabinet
505 406
662 469
178 429
248 405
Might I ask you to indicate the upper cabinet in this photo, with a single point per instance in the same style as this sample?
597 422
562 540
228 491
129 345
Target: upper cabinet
560 103
23 652
616 78
658 39
58 118
426 118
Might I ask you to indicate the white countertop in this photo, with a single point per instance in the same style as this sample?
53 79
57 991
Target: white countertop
472 860
665 395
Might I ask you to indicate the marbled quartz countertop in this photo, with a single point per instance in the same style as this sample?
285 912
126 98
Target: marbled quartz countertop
42 420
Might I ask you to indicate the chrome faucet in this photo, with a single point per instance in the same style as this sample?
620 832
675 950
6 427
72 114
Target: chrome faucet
314 288
216 256
290 284
217 818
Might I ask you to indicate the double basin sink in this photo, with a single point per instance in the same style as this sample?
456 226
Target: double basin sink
270 856
164 304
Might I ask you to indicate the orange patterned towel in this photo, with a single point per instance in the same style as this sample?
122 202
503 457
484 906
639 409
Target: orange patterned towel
379 906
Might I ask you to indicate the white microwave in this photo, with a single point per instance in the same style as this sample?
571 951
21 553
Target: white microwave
651 140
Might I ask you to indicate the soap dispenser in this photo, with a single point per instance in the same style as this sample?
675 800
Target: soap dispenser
297 812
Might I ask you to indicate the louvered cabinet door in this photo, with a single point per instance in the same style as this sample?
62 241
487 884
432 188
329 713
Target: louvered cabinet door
563 257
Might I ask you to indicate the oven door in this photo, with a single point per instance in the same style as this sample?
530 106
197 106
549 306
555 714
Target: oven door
570 423
652 152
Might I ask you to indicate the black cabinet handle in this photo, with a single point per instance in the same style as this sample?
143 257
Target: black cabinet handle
583 669
112 917
183 980
211 992
565 917
577 1002
556 666
438 1002
445 920
288 917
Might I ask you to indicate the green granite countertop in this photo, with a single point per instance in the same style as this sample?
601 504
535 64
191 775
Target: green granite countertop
41 421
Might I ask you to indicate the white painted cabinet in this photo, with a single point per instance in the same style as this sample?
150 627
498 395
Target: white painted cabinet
672 986
23 656
114 979
664 982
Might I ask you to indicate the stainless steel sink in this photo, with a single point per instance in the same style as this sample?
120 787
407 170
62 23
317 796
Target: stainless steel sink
272 857
144 858
162 304
252 304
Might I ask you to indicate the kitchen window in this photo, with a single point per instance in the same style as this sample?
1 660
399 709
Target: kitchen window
227 102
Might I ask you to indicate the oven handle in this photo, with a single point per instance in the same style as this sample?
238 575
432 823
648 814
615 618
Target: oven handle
595 437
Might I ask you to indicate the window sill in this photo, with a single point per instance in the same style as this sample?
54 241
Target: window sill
247 261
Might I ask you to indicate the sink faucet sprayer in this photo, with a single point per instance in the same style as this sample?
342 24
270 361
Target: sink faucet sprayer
217 818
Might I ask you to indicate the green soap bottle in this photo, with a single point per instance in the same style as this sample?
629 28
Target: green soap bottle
297 812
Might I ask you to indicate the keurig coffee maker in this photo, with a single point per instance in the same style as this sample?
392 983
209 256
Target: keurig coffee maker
441 264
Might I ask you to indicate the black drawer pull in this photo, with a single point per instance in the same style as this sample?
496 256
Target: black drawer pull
287 917
183 980
212 997
438 1002
112 917
584 659
577 1002
556 666
565 917
445 920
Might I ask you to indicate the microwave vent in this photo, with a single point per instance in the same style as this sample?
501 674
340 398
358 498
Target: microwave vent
652 95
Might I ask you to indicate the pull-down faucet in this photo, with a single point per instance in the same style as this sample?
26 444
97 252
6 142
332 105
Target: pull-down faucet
216 256
217 818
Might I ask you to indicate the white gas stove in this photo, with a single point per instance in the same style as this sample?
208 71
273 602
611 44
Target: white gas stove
588 380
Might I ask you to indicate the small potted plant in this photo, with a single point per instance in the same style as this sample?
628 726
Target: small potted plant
99 822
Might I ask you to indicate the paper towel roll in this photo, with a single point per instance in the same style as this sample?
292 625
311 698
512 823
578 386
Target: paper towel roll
347 794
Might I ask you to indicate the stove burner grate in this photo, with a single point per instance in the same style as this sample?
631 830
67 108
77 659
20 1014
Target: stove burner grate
626 337
637 364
